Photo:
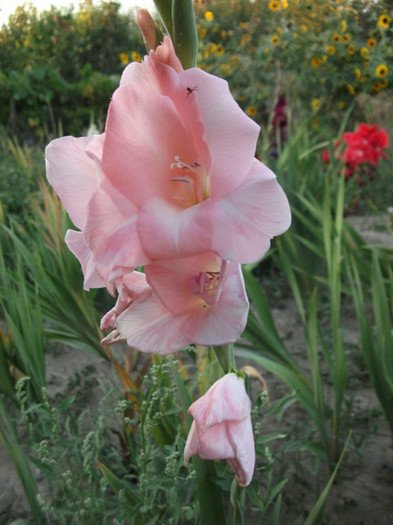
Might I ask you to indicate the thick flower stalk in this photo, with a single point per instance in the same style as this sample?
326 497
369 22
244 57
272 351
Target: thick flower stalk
172 185
222 427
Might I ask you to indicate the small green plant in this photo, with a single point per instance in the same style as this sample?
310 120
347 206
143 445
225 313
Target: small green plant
104 465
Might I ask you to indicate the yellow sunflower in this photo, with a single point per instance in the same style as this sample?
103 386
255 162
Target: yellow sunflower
336 38
351 49
365 53
351 91
201 32
275 40
251 111
316 104
316 62
381 71
274 6
371 42
346 37
123 58
358 73
330 50
384 21
220 50
376 86
343 26
136 57
209 15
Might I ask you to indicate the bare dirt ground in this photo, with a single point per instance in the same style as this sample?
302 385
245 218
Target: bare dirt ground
363 492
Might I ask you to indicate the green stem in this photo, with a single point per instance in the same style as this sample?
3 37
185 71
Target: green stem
211 505
225 357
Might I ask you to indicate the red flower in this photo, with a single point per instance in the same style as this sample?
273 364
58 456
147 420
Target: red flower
325 156
365 145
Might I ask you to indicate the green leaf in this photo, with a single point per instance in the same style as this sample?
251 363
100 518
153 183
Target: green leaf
316 515
10 440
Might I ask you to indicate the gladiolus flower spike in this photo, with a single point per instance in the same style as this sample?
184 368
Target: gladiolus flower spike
172 185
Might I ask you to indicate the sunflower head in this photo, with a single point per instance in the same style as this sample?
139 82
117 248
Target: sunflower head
384 21
316 104
251 111
274 6
351 49
381 71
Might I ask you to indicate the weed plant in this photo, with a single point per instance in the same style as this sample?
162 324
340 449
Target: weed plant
115 464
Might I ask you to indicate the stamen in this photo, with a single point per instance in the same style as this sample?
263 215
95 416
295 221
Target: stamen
182 179
222 273
208 285
182 165
198 177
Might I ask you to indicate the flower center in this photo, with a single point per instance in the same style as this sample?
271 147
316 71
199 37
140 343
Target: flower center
193 183
208 285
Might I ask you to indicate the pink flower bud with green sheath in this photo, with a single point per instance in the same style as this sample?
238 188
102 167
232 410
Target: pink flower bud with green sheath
222 427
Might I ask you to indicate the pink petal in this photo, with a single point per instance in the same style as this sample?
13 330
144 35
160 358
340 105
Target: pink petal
215 442
135 283
140 74
111 229
143 136
230 134
73 173
149 327
165 53
170 280
247 219
129 288
242 439
226 400
168 231
78 246
223 322
164 80
191 447
95 146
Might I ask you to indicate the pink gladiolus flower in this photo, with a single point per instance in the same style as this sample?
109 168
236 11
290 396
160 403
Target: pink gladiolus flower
222 427
198 300
173 175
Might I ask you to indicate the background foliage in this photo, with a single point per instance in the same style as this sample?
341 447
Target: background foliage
61 66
